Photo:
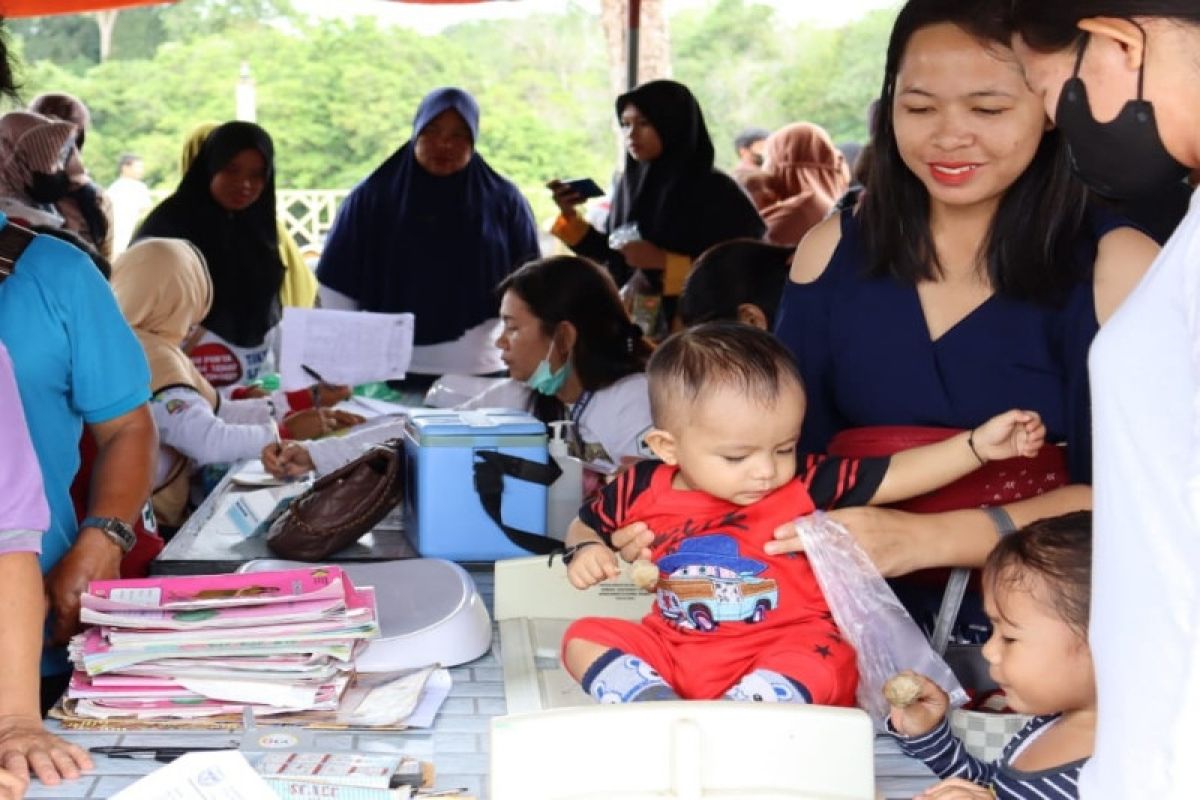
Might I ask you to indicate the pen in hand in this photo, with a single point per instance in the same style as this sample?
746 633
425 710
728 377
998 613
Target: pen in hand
316 393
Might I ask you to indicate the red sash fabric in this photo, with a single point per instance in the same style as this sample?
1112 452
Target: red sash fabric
993 484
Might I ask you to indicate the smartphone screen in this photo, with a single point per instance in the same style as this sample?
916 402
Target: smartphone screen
585 188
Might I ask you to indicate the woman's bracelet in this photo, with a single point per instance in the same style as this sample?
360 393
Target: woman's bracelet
974 452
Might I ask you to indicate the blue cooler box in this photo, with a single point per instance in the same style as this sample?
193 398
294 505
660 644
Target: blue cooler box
443 516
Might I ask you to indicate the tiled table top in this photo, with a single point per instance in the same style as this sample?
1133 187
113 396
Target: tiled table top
457 745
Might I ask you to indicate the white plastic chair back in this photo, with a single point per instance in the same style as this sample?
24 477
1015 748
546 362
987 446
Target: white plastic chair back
684 750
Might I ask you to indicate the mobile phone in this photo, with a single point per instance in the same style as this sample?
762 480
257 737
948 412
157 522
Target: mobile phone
585 188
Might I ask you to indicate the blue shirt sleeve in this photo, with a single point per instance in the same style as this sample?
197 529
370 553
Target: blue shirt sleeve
943 753
109 375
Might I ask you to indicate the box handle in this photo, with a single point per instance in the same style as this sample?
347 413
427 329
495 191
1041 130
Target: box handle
490 469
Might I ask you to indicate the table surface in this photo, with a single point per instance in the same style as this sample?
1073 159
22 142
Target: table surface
457 744
204 545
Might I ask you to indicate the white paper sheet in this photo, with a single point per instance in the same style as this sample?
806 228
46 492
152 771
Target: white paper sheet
343 347
434 693
221 775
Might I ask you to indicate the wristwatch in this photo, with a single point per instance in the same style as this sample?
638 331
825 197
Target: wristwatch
116 529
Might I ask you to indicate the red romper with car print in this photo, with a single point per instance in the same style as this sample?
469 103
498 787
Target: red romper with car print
723 607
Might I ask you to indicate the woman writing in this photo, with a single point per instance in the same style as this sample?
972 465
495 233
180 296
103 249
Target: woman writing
225 206
1121 82
669 189
431 232
571 352
164 292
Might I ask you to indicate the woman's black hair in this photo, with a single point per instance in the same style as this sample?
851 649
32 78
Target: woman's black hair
1052 26
1029 251
608 346
732 273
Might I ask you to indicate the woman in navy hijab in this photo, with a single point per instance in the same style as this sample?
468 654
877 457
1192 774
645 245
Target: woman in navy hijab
432 231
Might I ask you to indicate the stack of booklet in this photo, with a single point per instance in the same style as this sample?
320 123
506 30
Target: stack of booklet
204 646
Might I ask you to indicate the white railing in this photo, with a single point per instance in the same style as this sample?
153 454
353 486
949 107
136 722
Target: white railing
308 213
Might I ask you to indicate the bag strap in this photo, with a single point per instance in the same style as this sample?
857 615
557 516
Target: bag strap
13 241
490 469
956 587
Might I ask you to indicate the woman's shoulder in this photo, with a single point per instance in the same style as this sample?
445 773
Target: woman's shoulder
815 253
1123 256
632 386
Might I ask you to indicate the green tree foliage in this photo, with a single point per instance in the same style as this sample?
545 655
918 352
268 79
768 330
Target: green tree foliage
195 19
71 41
748 70
338 98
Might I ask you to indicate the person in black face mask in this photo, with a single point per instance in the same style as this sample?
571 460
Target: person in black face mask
33 173
1121 79
43 182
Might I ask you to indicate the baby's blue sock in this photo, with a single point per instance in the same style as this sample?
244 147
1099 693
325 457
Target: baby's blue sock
618 677
765 686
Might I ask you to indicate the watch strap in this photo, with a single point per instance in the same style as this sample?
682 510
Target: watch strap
116 529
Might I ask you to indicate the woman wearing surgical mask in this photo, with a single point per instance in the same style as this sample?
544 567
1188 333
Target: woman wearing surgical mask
572 353
568 339
1121 80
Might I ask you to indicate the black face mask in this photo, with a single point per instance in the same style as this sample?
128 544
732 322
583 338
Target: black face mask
49 188
1123 159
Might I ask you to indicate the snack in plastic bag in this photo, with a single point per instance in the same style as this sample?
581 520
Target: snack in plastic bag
870 616
623 235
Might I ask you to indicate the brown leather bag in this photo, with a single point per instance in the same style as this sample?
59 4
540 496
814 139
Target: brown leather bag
341 507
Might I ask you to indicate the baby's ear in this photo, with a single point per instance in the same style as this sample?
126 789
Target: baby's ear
662 444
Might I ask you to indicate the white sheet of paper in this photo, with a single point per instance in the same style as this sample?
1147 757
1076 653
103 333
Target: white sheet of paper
219 775
434 693
344 347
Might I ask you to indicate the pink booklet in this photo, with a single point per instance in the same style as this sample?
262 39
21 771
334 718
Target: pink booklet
186 619
217 591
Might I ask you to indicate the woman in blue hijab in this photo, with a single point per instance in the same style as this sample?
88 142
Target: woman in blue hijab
432 231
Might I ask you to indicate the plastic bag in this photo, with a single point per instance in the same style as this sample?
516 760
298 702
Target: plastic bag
870 616
623 235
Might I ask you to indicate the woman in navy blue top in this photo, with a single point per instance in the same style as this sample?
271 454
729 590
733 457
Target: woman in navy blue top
970 278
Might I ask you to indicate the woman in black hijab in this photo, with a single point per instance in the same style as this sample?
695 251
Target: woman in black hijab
225 206
680 204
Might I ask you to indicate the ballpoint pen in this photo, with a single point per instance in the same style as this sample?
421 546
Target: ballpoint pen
163 755
316 392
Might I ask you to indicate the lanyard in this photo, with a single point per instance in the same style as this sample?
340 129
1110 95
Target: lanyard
577 412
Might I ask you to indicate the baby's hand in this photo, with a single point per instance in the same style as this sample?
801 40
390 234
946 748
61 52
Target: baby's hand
1011 434
917 711
591 565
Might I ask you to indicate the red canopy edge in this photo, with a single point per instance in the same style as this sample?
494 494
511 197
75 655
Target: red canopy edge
40 8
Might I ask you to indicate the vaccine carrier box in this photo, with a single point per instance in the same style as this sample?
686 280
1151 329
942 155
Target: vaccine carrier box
443 515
